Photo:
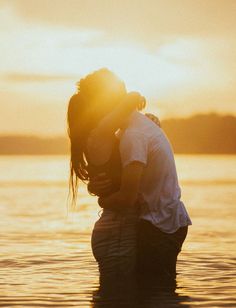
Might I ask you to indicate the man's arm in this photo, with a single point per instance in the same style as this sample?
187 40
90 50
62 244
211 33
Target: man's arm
100 185
128 193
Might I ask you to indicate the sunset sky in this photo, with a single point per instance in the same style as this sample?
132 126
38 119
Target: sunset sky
180 54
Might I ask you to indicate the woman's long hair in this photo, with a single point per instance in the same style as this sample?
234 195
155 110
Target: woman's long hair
98 93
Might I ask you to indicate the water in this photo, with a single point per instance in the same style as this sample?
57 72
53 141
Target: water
45 257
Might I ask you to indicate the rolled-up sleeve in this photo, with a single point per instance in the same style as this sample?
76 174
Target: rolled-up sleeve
133 148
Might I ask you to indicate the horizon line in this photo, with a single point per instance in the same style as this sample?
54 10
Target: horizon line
42 136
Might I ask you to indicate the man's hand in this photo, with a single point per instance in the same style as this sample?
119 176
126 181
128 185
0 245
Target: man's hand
128 194
100 185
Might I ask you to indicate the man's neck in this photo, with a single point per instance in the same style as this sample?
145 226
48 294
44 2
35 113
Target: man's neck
127 122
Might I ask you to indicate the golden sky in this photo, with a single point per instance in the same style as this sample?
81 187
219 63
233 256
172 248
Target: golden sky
181 54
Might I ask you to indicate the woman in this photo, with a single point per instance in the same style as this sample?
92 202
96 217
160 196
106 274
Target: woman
95 113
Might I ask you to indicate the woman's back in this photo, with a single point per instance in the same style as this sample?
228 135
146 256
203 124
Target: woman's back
111 167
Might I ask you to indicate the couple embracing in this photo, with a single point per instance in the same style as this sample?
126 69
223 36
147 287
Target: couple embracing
127 161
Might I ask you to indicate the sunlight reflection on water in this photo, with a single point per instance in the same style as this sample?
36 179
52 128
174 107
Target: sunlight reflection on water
46 258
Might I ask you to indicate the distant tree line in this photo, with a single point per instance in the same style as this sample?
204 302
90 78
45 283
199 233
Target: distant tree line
203 133
33 145
199 134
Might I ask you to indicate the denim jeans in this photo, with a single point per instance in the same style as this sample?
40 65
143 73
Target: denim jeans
157 255
114 246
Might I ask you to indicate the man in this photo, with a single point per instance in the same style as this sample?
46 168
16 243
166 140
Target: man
149 179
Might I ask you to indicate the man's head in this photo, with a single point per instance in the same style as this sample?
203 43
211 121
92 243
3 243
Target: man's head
101 90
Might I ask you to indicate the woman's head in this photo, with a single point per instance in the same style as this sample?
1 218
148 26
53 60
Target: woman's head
101 91
98 94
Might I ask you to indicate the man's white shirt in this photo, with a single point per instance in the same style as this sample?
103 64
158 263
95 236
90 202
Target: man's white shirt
160 195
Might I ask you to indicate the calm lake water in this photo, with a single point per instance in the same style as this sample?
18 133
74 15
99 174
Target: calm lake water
45 256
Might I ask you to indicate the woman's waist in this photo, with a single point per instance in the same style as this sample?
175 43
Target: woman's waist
124 212
110 218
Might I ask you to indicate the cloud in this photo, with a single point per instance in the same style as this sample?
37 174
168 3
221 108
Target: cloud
22 77
180 54
148 22
27 113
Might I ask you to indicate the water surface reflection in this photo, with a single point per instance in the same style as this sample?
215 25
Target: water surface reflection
46 258
134 295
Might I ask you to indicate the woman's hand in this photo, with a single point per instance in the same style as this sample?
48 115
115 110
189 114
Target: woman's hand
154 118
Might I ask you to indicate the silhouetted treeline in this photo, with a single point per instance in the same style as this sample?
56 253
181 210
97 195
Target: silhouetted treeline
200 134
33 145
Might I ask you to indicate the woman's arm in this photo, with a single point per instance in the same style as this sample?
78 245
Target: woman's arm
113 121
